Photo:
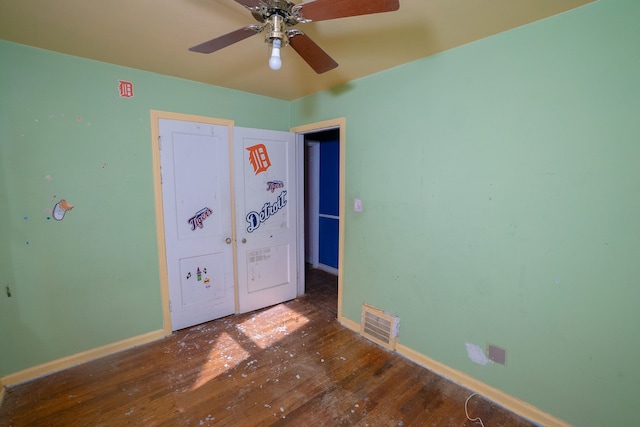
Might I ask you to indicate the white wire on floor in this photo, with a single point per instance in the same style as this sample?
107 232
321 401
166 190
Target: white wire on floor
466 412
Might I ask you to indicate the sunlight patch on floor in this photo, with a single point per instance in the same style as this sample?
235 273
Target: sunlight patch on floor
224 355
263 329
270 326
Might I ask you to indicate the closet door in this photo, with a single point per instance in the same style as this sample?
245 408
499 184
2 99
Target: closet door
196 197
266 216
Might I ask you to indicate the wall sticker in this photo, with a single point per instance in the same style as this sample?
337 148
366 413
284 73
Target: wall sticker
60 209
125 88
199 217
259 158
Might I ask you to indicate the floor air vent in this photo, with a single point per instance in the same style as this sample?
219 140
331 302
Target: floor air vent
379 327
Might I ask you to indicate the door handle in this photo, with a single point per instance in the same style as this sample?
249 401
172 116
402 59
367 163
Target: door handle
244 240
227 240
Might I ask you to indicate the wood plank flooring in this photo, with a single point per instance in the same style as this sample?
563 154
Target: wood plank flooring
287 365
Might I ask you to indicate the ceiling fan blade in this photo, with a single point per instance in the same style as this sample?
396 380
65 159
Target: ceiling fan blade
249 3
226 40
322 10
313 54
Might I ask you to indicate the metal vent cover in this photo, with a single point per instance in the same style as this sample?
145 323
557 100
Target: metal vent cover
379 327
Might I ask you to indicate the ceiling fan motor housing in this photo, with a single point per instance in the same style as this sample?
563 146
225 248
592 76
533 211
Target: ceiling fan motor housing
276 29
276 16
276 6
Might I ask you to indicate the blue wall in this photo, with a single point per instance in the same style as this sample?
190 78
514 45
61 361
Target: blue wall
329 201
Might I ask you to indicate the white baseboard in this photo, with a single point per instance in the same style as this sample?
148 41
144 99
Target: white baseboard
76 359
510 403
328 269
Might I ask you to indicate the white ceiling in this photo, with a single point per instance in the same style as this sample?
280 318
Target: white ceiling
154 35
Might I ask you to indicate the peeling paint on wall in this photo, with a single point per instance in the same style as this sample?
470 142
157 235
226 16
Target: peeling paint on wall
476 354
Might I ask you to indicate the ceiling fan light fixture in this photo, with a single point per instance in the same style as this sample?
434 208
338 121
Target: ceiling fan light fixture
277 17
276 38
275 62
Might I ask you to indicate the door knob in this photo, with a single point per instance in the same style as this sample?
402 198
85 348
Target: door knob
228 240
244 240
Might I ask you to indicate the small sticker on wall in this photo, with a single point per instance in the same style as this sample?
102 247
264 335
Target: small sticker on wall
125 88
60 209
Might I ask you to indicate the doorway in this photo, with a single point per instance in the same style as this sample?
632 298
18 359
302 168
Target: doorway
322 199
298 134
312 133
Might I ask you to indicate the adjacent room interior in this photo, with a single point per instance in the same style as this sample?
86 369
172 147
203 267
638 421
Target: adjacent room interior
487 181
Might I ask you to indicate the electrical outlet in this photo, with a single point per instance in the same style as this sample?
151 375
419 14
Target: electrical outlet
357 205
497 354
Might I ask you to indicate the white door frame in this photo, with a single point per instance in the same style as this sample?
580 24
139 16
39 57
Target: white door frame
300 131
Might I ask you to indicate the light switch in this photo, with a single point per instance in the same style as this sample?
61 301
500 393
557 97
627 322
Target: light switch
357 205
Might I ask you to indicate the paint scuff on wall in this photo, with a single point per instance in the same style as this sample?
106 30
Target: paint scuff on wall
476 354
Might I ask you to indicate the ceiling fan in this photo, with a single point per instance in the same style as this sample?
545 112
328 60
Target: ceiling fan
278 17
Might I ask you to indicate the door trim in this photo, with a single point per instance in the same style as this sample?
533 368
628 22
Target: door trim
156 115
314 211
341 124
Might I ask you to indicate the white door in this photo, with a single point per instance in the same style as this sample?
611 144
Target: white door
196 197
265 184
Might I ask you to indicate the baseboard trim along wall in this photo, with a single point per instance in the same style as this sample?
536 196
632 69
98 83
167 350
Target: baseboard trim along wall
514 405
1 390
328 269
77 359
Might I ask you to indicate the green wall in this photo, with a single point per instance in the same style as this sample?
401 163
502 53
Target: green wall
500 187
501 193
92 278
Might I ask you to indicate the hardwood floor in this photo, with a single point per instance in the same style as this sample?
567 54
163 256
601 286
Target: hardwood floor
291 364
